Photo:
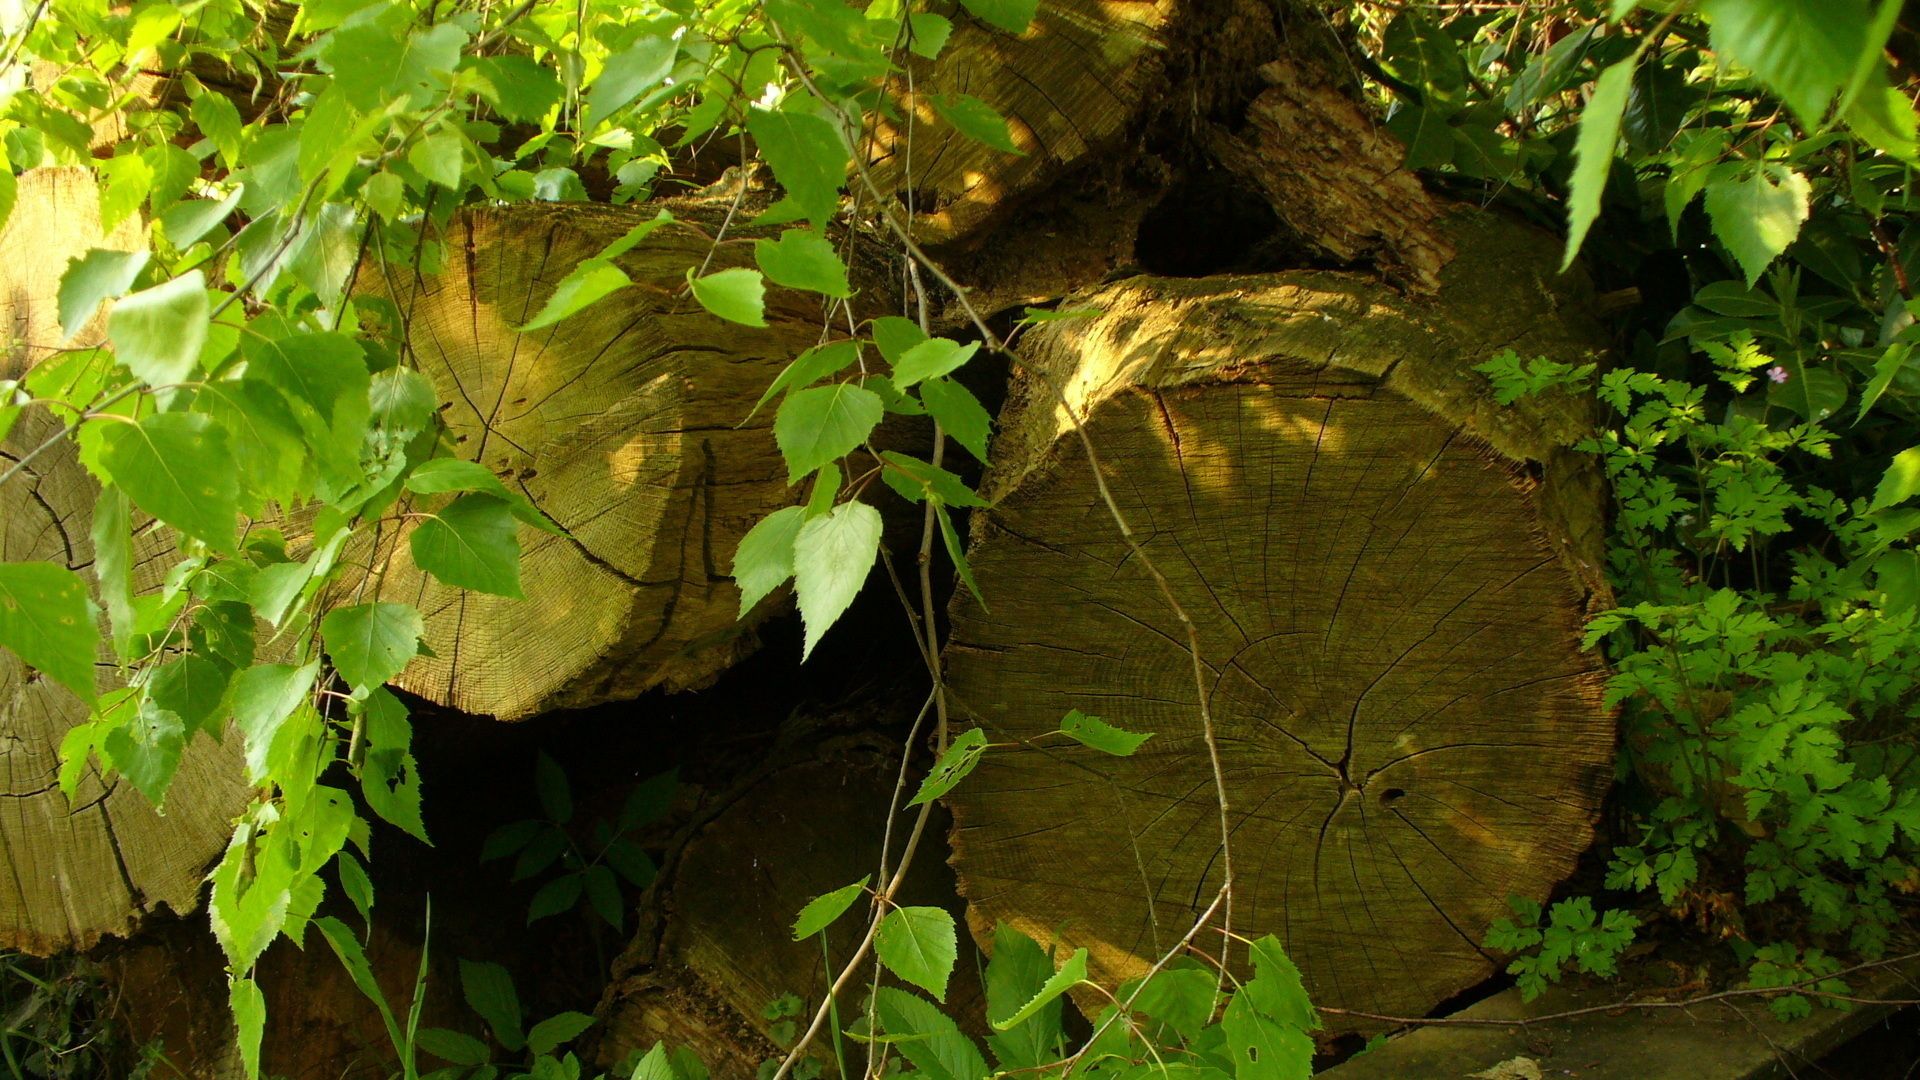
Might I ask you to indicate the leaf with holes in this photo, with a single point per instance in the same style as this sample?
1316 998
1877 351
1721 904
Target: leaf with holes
962 755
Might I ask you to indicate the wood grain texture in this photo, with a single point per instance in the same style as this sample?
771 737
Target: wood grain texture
1388 603
627 425
71 872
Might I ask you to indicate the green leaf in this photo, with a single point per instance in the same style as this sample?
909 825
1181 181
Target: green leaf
145 749
1009 15
1885 369
187 222
372 643
1593 152
629 74
401 401
352 957
977 120
1071 974
1758 214
440 158
737 295
554 897
810 367
518 87
262 698
803 259
895 335
951 539
440 475
929 33
831 558
919 945
1014 975
324 378
356 884
556 1031
764 560
192 688
927 1037
389 776
1100 735
931 358
92 279
470 544
176 467
219 120
113 564
603 892
959 414
1803 50
807 157
1900 482
822 424
918 481
962 755
9 193
1262 1048
822 911
656 1066
157 333
1277 990
588 282
249 1008
453 1047
489 991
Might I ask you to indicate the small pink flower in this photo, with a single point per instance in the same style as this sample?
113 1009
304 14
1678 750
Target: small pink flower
1778 374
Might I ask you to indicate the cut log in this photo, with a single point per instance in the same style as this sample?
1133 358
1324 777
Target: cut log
1262 90
714 947
627 425
1387 573
81 869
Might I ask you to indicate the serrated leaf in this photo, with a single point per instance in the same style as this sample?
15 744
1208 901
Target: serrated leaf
807 158
803 259
1757 217
1803 50
176 467
951 539
556 1031
1071 974
919 945
470 544
47 620
1593 152
192 688
157 333
823 910
454 1047
1900 482
261 699
1262 1048
918 481
832 556
372 643
959 414
959 760
1277 990
489 991
929 33
737 295
977 120
518 87
389 775
356 884
1885 369
822 424
145 749
554 897
764 560
931 358
630 73
249 1008
1097 733
401 400
810 367
91 280
894 335
586 283
927 1037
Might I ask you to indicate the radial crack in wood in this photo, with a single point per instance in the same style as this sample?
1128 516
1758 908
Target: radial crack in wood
626 425
73 871
1388 605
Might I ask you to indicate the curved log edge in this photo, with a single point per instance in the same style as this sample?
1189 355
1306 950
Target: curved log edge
79 871
1388 574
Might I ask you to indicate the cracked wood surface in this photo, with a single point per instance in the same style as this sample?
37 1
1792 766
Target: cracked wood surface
1389 607
72 872
624 424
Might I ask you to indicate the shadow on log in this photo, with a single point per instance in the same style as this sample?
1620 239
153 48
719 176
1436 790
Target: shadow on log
1387 573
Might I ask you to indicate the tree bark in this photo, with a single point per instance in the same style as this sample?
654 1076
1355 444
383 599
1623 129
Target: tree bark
1387 573
80 869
